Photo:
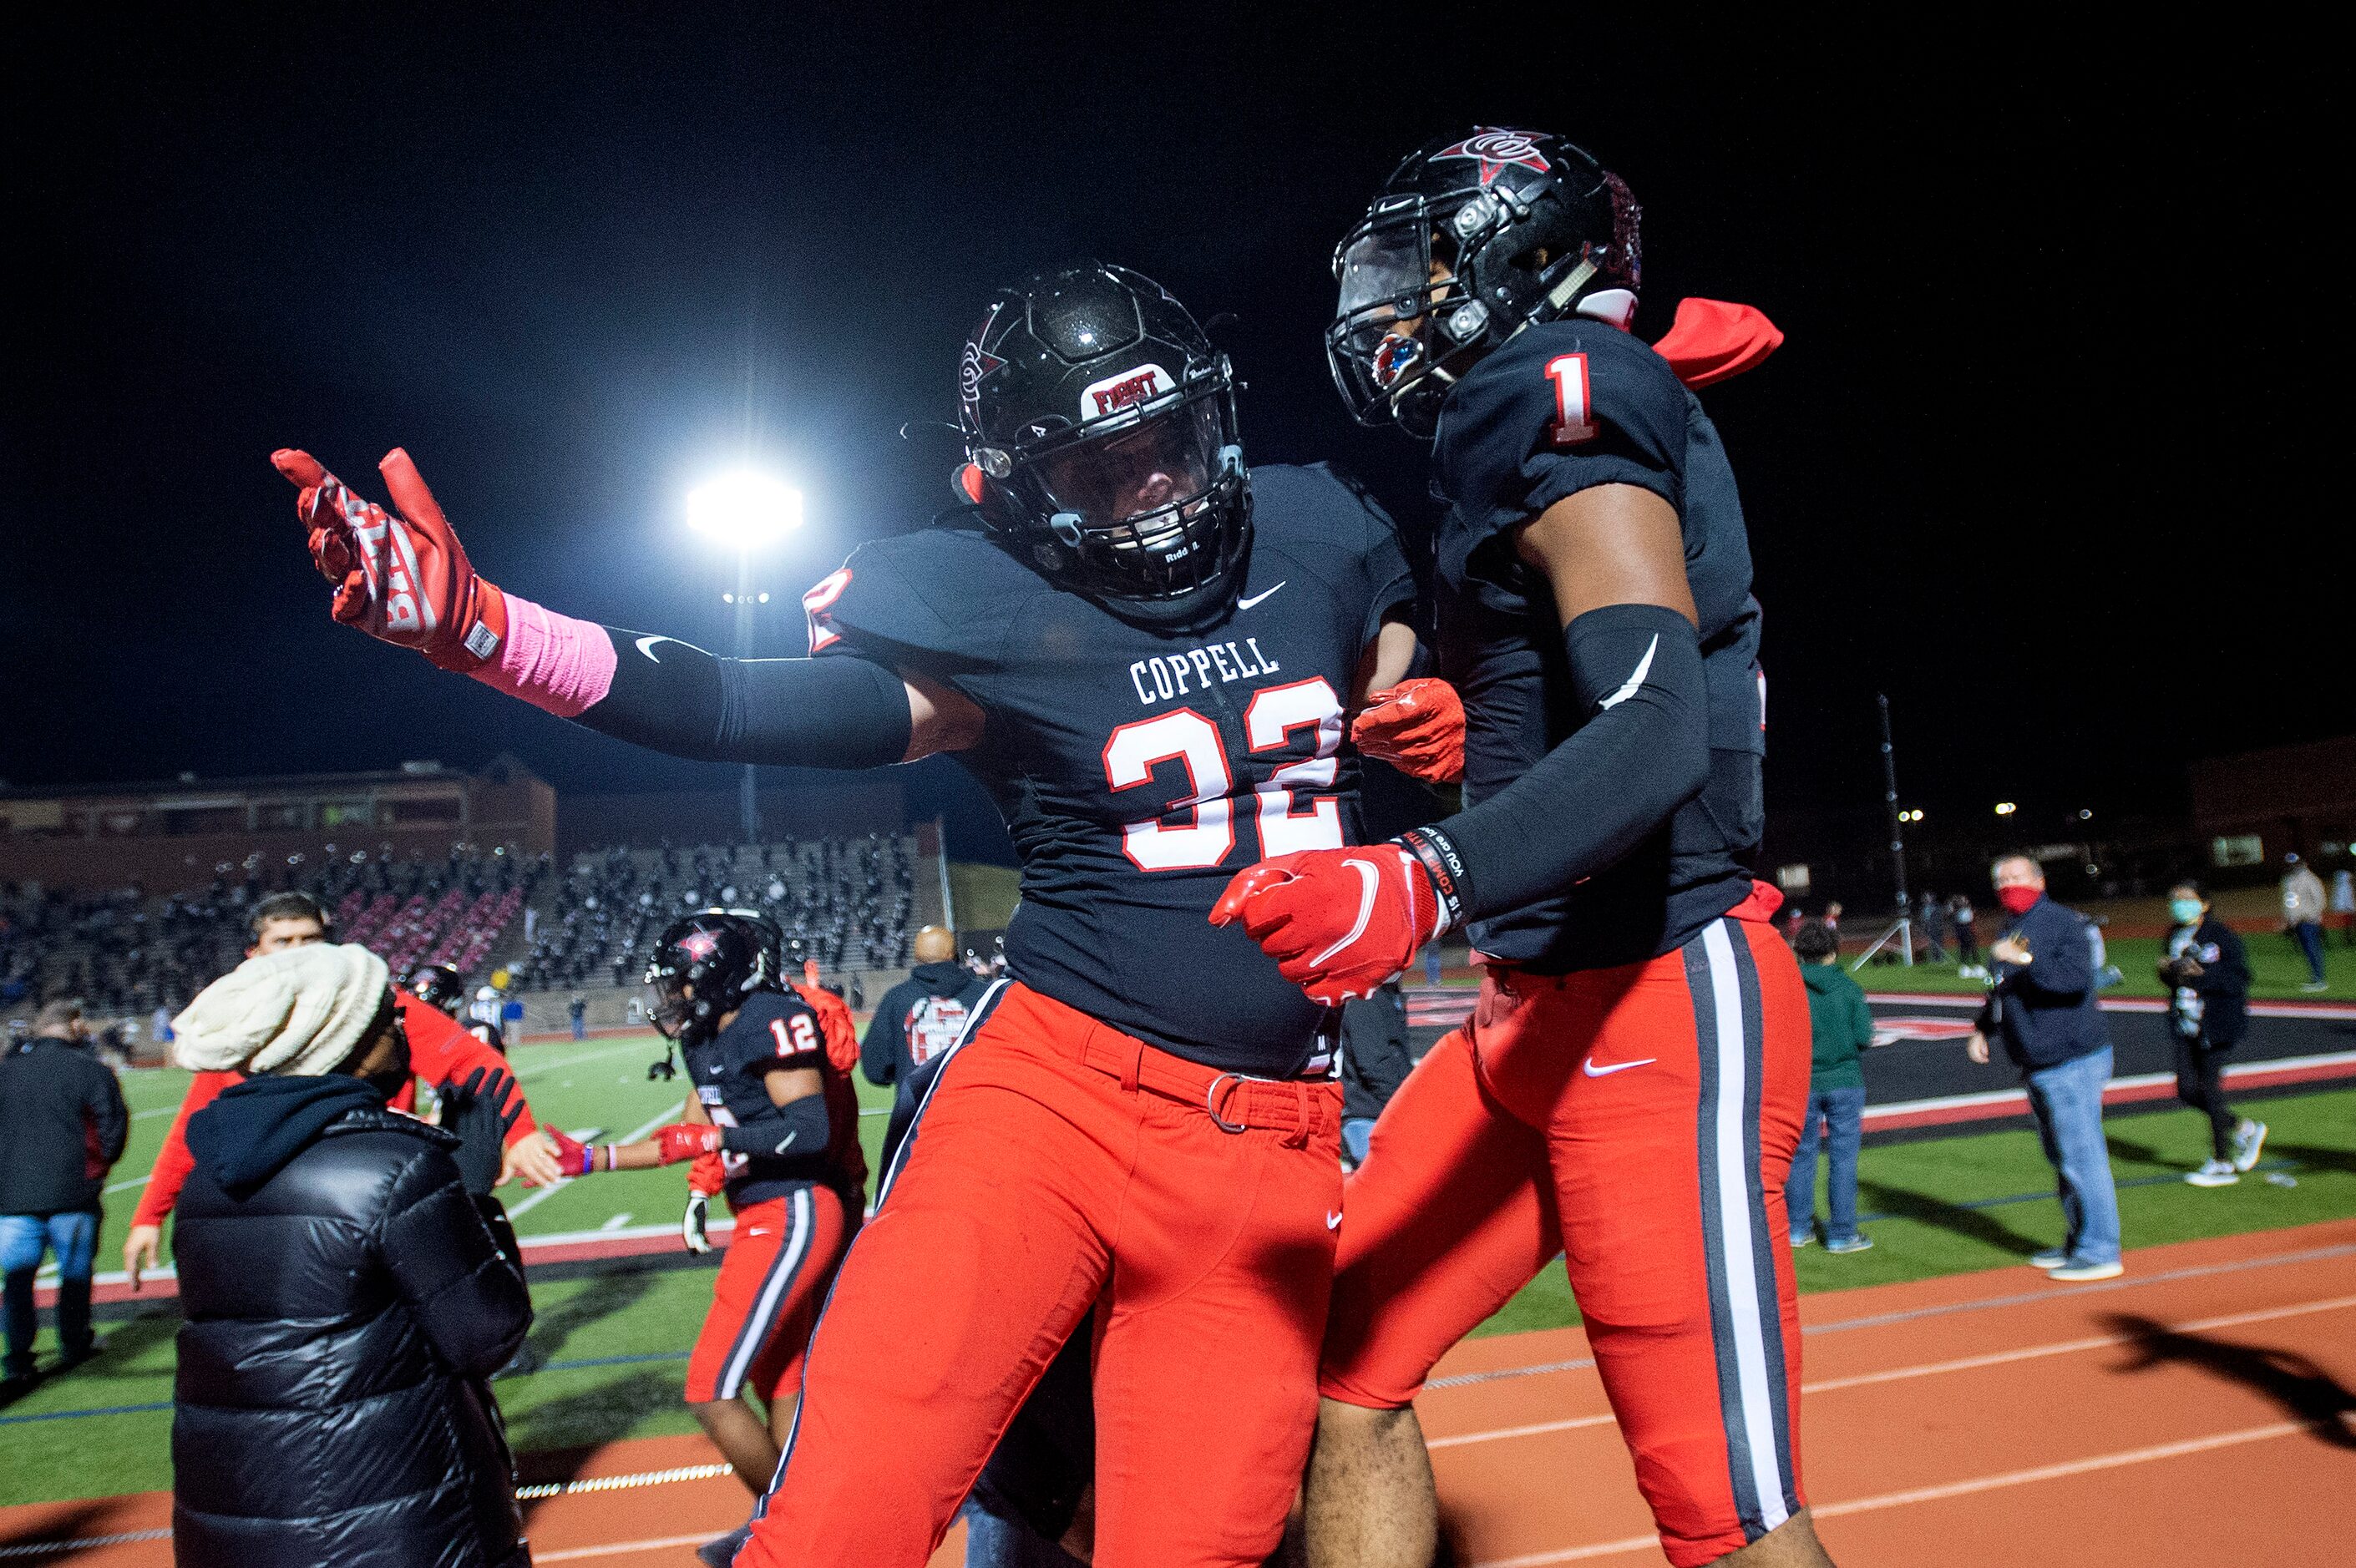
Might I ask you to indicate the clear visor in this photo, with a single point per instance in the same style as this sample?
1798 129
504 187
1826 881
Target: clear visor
1164 459
667 1007
1388 262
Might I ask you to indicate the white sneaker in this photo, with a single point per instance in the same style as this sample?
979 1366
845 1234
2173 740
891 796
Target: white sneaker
2051 1258
2072 1274
2213 1173
2249 1139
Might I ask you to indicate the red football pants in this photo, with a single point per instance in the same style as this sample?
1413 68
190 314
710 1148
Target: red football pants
1641 1121
781 1257
1058 1165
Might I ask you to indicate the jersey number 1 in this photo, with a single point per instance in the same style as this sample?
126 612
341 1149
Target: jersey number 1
1573 406
1185 735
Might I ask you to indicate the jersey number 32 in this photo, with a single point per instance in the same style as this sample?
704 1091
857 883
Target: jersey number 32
1186 736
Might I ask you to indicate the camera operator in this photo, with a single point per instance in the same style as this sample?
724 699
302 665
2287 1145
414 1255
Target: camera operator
2208 980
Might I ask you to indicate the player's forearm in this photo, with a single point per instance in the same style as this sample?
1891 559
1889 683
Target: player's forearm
673 697
1586 804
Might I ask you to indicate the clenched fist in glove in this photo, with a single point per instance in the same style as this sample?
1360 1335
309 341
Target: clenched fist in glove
402 577
705 1178
1418 726
1338 922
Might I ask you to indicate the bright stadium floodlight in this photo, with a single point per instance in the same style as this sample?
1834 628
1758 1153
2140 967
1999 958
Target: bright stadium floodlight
746 509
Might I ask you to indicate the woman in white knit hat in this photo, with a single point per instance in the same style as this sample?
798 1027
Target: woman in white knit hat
348 1292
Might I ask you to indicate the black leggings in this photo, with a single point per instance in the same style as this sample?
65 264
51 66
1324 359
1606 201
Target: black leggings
2198 1084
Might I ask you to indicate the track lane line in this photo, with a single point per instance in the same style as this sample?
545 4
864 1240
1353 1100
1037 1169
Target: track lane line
1951 1489
1929 1369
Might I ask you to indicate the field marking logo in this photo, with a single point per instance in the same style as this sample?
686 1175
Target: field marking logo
1495 147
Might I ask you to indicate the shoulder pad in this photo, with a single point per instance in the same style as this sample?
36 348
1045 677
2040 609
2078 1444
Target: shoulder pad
1562 406
938 598
777 1026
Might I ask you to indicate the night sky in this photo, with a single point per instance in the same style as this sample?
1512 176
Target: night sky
2050 455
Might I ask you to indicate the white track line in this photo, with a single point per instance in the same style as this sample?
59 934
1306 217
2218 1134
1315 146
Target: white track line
1929 1369
1952 1489
660 1543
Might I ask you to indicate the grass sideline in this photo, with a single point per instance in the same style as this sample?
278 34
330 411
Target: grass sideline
2277 968
613 1345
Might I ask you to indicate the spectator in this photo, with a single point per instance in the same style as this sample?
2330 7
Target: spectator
922 1016
1374 1061
2043 1004
1841 1025
1967 938
577 1010
1929 916
341 1408
2343 905
2302 907
1832 923
2208 980
62 1127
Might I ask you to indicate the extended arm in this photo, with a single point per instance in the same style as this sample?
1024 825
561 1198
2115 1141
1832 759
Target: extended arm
797 1123
403 577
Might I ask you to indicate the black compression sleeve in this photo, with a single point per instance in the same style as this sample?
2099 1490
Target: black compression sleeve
796 1128
1644 751
673 696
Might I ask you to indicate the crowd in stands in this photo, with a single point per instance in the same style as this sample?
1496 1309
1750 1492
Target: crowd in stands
127 953
846 903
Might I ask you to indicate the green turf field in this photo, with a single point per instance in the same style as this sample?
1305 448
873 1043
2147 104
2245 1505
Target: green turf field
2277 969
611 1347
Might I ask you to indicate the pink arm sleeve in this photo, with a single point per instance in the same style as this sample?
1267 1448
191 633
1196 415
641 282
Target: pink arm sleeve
557 663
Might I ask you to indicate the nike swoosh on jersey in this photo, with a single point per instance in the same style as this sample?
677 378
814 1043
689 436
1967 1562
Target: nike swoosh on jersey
646 645
1628 686
1594 1071
1247 603
786 1144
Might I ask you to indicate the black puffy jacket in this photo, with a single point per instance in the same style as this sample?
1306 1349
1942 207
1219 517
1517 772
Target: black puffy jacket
345 1313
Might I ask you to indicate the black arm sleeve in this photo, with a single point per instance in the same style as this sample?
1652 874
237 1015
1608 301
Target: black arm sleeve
1643 752
673 697
467 1296
796 1128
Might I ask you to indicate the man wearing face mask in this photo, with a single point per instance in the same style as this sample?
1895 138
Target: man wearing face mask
2042 1004
2208 979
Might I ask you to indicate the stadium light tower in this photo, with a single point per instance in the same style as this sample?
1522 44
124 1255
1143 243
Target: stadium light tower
746 511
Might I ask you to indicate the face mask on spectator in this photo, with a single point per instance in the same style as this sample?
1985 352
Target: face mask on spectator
2016 901
2186 911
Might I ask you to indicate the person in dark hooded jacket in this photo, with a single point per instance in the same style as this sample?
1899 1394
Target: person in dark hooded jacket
922 1016
348 1293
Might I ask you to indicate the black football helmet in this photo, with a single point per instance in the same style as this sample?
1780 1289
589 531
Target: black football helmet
439 984
714 953
770 937
1100 429
1520 226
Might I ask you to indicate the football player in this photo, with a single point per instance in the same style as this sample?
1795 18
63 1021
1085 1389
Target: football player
439 1050
783 1120
1631 1083
1145 651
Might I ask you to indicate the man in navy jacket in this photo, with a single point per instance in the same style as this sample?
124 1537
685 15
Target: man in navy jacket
2042 1005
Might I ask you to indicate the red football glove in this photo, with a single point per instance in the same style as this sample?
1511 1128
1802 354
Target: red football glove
686 1140
402 577
570 1153
707 1177
1338 922
1418 726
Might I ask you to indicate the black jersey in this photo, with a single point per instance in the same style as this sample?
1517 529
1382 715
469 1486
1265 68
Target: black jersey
1139 769
1561 408
731 1074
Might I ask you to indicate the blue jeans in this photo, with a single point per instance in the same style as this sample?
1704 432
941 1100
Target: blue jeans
23 1239
1356 1132
2310 934
996 1537
2068 1100
1842 1113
